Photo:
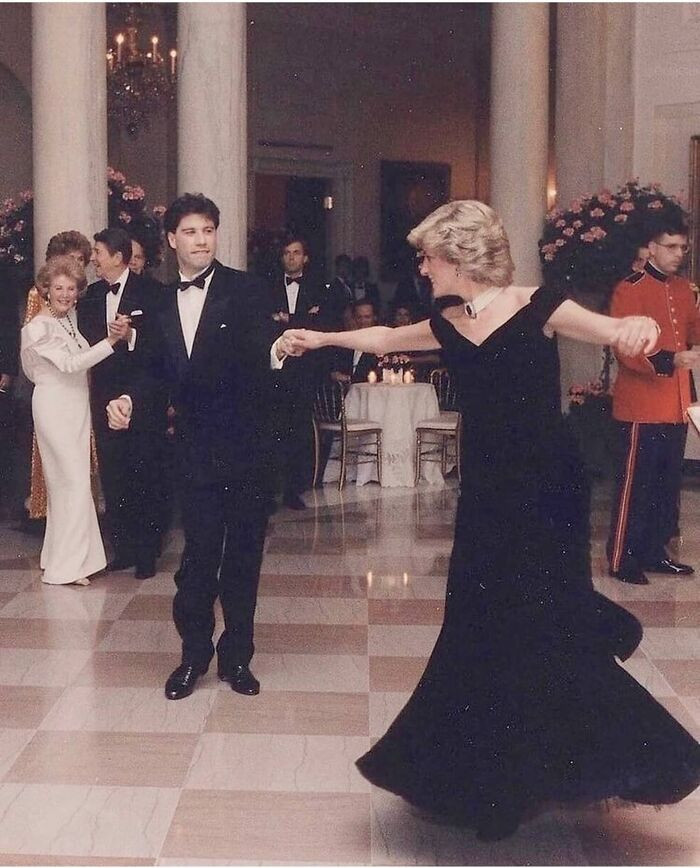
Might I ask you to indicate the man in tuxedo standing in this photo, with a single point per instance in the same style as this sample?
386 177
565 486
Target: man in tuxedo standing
296 301
130 464
214 346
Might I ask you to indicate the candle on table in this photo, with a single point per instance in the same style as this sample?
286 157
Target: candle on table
119 39
371 377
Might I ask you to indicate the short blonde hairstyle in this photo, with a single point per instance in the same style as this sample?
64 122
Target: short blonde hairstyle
60 266
472 236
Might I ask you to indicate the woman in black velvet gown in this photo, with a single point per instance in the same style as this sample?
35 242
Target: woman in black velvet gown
522 701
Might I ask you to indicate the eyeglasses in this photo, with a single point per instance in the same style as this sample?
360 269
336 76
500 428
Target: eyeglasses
681 248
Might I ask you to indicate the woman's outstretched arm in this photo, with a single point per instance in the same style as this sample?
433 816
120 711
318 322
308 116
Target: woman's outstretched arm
630 335
379 340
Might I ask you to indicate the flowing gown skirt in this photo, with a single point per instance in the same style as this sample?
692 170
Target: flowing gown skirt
73 546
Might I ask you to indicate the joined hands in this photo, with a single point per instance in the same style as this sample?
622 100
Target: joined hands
636 334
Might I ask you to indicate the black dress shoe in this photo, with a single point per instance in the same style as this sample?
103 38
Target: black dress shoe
241 680
145 569
293 501
182 681
671 568
631 577
120 563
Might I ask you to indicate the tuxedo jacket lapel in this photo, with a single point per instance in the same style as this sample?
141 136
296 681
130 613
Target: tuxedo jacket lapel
172 330
213 316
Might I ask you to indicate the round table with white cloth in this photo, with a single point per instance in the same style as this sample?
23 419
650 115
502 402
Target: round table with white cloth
398 409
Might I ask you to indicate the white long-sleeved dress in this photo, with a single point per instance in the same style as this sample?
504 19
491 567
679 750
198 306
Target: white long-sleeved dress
57 364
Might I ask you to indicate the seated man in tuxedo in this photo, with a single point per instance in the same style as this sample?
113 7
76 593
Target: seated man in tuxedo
295 302
130 464
212 350
353 366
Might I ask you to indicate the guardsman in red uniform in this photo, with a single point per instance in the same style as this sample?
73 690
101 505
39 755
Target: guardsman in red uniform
650 401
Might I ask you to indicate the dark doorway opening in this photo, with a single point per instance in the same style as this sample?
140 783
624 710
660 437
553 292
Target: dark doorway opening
289 203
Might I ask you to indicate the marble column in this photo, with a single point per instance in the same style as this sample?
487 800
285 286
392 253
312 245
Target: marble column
69 104
594 124
519 127
212 116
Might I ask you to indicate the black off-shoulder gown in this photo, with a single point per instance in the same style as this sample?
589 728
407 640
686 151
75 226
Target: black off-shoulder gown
523 701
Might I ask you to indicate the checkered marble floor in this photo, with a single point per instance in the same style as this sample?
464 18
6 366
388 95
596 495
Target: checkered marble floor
96 767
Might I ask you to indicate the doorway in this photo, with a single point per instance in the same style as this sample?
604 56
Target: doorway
290 203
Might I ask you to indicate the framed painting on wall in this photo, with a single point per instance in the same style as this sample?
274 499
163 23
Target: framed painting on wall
409 192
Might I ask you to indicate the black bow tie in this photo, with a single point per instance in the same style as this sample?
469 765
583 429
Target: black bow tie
198 281
114 288
288 281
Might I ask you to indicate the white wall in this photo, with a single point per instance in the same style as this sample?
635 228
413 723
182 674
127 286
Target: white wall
667 91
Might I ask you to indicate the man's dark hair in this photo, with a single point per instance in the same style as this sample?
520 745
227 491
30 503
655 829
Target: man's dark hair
146 232
364 302
190 203
294 238
116 240
672 223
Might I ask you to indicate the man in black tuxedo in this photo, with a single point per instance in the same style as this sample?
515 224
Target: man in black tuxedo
295 303
214 347
130 464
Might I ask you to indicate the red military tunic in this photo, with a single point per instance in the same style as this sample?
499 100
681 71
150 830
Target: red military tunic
651 389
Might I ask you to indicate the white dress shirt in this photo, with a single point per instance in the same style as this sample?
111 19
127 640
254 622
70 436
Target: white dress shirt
190 303
356 356
113 300
292 294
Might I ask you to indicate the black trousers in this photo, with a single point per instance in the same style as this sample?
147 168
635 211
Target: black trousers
224 526
293 433
131 472
646 507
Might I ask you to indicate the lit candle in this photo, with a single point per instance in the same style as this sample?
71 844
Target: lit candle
371 377
119 39
173 56
154 48
110 60
407 377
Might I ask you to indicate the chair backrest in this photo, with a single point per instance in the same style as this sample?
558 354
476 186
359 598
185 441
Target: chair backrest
329 403
445 388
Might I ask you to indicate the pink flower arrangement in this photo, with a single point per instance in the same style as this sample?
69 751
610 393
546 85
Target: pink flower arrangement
592 245
126 205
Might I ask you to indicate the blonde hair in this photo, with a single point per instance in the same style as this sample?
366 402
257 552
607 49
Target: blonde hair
471 236
60 266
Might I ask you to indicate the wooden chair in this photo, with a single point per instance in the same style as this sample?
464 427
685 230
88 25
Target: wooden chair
438 439
329 417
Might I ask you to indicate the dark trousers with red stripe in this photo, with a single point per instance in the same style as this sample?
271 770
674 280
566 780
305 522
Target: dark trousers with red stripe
645 511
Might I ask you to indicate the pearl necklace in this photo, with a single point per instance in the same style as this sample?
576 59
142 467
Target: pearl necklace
70 329
472 307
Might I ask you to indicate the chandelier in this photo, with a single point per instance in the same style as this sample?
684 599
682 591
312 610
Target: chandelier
140 79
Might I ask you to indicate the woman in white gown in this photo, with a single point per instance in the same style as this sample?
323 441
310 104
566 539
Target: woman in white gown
56 358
